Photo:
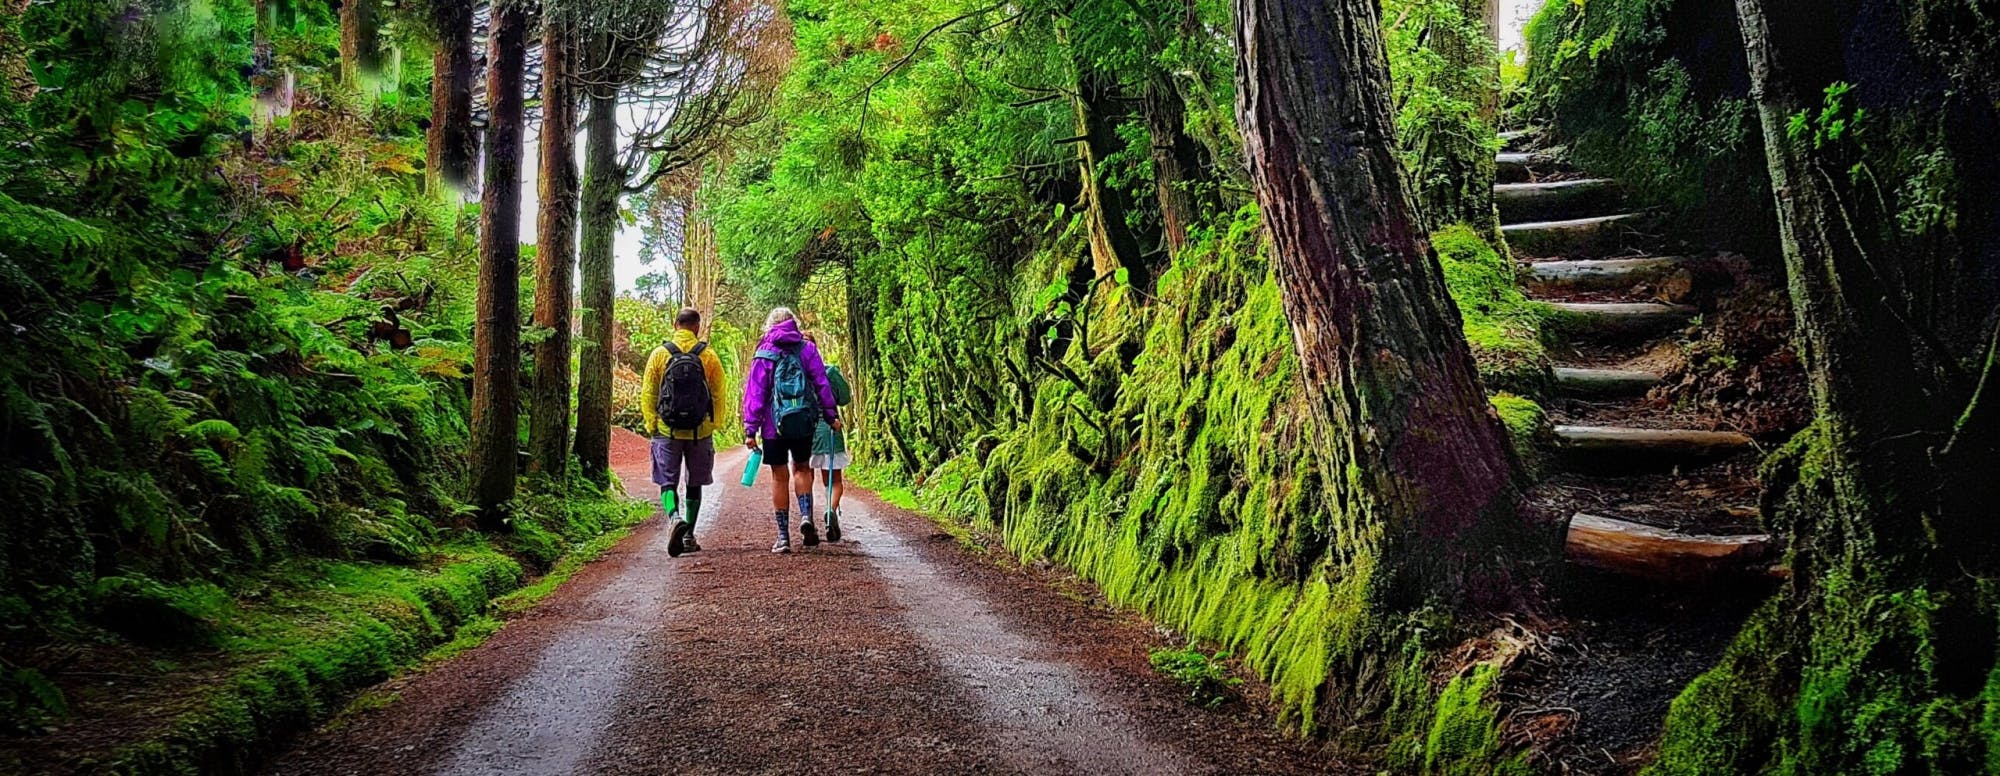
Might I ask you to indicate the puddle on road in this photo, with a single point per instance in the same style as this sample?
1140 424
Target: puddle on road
1043 715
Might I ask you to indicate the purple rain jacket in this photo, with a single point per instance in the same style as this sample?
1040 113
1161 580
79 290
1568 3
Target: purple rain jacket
757 418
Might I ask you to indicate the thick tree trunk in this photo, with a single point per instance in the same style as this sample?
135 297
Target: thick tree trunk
453 141
1113 243
1412 445
555 253
1876 656
360 43
602 181
496 334
1183 178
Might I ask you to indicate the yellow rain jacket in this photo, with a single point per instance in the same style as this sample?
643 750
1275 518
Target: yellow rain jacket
656 371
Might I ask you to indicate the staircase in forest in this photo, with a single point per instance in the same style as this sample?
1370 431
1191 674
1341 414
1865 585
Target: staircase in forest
1652 493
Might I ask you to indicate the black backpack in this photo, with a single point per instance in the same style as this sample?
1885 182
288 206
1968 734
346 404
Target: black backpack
684 398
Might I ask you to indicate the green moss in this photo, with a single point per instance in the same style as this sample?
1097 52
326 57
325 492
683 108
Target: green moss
1213 517
1526 422
1464 738
1501 324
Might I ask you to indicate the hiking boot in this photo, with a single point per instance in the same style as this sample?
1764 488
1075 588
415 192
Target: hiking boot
677 532
784 546
832 526
808 532
689 544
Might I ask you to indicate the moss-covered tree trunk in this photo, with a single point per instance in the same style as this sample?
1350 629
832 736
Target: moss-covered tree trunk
1099 110
496 333
1184 177
1412 447
603 178
1878 654
453 143
555 252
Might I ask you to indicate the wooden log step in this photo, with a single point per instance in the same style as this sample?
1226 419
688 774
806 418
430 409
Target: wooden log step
1617 449
1519 166
1512 140
1599 274
1576 237
1617 320
1555 199
1603 383
1658 554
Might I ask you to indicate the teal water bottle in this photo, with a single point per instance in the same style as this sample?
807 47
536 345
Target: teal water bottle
750 467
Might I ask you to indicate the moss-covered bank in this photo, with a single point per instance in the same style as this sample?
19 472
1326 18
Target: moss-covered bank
1177 472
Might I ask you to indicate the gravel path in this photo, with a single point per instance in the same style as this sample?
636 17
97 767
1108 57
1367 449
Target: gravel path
896 651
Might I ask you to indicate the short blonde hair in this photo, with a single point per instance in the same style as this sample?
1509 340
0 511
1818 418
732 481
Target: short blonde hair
778 315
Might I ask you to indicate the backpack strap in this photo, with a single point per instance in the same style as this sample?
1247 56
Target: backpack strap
675 350
698 348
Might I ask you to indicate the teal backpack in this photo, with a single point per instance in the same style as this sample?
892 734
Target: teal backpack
794 402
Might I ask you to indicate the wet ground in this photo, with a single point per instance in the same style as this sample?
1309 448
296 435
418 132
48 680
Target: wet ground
898 650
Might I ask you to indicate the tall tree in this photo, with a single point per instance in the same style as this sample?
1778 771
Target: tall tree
453 141
555 253
1378 337
603 183
496 334
360 41
1878 653
689 80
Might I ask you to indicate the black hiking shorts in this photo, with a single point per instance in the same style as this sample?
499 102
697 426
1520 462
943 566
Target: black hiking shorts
794 451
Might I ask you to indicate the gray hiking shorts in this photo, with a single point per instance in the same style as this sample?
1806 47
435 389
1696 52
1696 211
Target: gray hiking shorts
669 454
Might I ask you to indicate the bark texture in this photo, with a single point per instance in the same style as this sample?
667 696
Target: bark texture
1414 447
360 43
555 252
496 334
1182 170
453 143
1113 243
603 179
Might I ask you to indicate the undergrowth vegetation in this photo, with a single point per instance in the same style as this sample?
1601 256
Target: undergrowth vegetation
1141 423
1654 93
234 360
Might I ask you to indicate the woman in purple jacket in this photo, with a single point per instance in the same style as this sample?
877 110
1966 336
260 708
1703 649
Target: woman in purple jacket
783 402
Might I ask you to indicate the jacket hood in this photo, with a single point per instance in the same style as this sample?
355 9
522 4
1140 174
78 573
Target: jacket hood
785 333
684 339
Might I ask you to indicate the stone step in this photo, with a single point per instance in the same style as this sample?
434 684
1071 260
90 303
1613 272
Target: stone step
1555 199
1598 274
1618 449
1591 237
1519 166
1659 554
1593 383
1603 321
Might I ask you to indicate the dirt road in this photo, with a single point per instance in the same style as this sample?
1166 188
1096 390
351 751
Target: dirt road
896 651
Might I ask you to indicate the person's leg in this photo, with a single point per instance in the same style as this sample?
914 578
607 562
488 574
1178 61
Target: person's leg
802 489
700 456
781 476
669 455
839 487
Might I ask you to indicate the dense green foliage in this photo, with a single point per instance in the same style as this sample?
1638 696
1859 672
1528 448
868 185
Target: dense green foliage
1654 94
235 351
1141 424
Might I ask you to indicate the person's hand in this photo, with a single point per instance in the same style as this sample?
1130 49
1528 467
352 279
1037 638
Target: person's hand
835 424
750 442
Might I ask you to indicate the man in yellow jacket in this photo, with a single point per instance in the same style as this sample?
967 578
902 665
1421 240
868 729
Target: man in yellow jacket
683 402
